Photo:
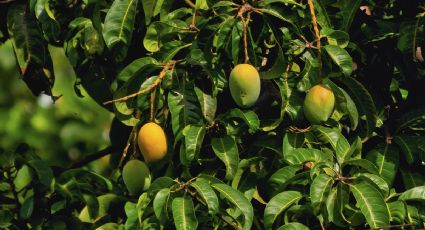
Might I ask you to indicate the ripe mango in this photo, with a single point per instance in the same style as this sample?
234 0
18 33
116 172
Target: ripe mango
244 83
136 176
152 142
319 104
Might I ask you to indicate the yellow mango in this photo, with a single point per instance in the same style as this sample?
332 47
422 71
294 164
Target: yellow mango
245 86
152 142
319 104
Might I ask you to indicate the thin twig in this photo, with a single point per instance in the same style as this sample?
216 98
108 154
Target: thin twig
127 146
169 65
243 9
190 3
316 31
92 157
152 106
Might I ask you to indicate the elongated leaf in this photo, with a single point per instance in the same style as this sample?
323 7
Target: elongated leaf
372 204
413 194
225 148
409 147
337 199
137 66
345 104
292 141
194 136
184 213
160 204
386 158
32 56
412 119
118 26
43 171
302 155
149 9
379 181
319 190
293 226
27 208
322 15
364 103
208 104
239 200
278 67
160 183
363 163
278 204
341 57
397 211
184 110
348 11
205 190
412 179
283 175
250 118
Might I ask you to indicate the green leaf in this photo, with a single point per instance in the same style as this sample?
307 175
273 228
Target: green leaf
226 149
278 204
184 109
371 203
363 163
142 65
27 208
386 158
322 15
250 118
184 213
397 211
206 192
161 183
149 7
194 136
31 53
293 226
132 221
160 204
334 137
142 204
319 190
337 199
412 179
278 68
292 141
336 37
413 194
239 200
119 25
43 171
348 11
281 176
302 155
341 57
409 146
364 103
208 104
379 181
412 119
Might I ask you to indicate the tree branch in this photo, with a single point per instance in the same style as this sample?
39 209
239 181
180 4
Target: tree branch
316 31
92 157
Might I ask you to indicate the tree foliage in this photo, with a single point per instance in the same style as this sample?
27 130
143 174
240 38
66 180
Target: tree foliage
263 167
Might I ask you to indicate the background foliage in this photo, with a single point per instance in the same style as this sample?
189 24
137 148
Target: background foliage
260 168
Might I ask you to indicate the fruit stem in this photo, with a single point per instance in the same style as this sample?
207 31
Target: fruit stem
242 10
152 105
316 31
167 66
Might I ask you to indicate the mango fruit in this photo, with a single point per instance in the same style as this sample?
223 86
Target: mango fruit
319 104
244 83
152 142
136 176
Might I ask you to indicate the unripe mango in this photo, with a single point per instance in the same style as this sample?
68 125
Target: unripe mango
152 142
136 176
244 83
319 104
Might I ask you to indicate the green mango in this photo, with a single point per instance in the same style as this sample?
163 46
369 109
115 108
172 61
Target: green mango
136 176
319 104
245 86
